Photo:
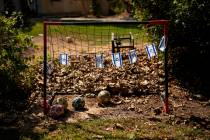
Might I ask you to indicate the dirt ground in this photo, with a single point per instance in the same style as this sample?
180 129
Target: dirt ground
182 108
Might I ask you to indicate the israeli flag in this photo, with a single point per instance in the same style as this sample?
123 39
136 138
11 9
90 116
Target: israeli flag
151 50
162 44
63 59
117 59
99 61
132 56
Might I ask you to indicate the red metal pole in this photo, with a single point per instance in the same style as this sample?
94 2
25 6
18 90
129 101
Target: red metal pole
45 71
165 96
165 101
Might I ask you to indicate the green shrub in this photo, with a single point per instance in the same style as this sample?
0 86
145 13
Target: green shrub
189 20
116 6
189 43
15 77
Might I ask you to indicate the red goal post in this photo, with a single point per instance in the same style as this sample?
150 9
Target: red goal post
164 23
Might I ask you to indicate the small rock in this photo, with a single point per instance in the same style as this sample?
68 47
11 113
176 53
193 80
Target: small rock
90 95
157 111
144 83
118 126
132 107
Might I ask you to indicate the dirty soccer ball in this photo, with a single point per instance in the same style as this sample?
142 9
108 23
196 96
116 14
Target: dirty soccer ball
56 111
103 97
78 103
61 101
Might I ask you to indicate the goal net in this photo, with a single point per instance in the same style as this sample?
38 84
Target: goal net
85 57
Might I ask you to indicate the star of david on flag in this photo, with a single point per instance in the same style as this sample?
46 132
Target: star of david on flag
132 56
99 61
63 59
151 50
117 59
162 44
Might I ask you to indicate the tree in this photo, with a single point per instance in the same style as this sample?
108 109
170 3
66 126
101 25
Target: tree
189 44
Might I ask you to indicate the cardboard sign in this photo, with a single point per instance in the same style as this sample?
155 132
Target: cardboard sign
151 51
117 59
132 56
99 61
63 59
162 45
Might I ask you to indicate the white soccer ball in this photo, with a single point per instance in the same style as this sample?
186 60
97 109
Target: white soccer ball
104 97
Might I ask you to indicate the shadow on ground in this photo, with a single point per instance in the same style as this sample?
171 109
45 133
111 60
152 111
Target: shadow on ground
190 65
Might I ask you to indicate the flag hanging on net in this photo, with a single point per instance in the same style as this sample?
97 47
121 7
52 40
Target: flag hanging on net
132 56
151 51
63 59
99 61
117 59
162 45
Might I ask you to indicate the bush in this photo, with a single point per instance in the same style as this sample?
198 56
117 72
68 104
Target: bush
188 37
16 81
189 20
116 6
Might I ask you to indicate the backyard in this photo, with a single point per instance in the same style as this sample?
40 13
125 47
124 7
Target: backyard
134 115
135 109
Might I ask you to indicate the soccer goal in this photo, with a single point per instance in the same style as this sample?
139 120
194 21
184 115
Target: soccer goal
83 57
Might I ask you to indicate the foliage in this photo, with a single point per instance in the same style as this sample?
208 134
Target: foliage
116 6
14 71
96 8
188 34
187 24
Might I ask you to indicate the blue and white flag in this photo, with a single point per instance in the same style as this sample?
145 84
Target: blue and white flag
99 61
117 59
162 44
132 56
151 50
63 59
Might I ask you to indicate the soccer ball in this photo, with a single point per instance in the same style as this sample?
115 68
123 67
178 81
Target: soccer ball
56 111
61 101
104 97
78 103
